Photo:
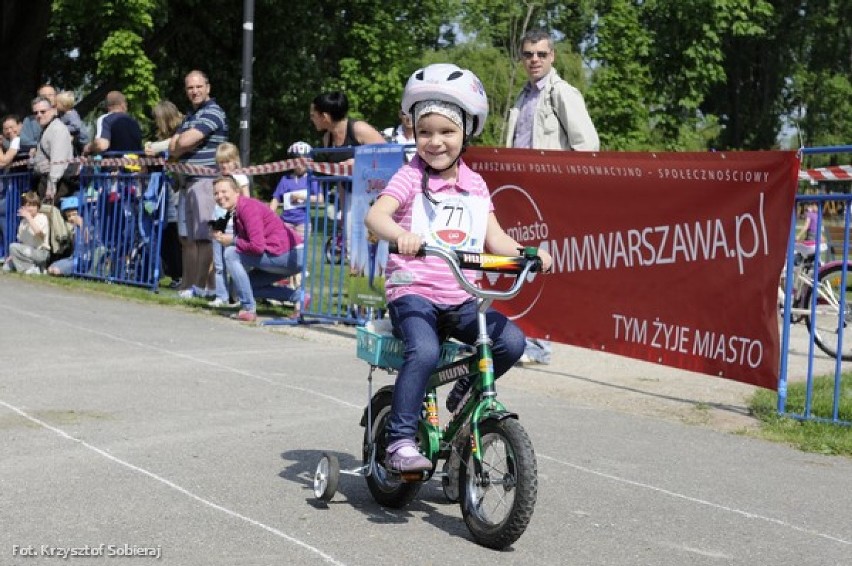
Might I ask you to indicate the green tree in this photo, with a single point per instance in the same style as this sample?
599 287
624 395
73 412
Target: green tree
819 90
86 52
657 74
618 97
23 26
689 60
383 44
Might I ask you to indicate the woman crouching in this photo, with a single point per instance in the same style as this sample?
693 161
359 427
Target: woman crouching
260 252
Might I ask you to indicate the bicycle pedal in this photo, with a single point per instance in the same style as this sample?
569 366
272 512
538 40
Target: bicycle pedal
412 476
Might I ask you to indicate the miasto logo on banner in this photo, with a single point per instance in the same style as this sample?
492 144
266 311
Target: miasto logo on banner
528 227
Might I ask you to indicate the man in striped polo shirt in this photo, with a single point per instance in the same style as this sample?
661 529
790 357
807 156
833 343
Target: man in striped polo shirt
195 143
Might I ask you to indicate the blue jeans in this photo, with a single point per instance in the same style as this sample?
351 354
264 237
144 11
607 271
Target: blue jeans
253 275
221 276
415 322
64 266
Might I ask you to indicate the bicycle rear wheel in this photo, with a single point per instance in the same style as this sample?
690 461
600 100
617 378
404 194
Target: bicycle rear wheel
828 320
387 490
498 504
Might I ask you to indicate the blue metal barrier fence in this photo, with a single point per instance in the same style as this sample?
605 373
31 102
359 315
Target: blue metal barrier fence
816 292
123 217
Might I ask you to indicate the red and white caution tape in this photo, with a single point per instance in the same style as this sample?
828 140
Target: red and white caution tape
336 169
833 173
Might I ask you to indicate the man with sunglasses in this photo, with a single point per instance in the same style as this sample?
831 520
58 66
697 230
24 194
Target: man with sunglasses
53 153
549 113
30 130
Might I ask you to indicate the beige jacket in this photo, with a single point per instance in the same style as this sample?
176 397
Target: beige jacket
576 130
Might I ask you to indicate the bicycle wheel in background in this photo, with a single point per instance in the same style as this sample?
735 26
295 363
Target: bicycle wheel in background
333 249
386 490
828 320
497 506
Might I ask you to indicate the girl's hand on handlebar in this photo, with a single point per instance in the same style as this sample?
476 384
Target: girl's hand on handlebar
409 243
546 261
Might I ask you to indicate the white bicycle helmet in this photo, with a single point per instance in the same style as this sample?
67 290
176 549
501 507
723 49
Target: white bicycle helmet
299 149
449 83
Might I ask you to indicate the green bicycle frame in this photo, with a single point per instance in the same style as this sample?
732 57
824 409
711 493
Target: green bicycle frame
481 405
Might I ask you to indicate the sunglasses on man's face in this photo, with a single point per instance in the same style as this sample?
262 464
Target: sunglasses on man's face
40 112
540 54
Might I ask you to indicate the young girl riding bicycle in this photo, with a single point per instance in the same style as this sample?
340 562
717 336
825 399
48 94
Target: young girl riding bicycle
437 199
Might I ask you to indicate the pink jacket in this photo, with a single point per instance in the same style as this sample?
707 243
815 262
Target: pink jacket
257 229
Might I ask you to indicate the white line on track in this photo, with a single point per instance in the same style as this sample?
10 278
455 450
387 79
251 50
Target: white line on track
172 485
695 500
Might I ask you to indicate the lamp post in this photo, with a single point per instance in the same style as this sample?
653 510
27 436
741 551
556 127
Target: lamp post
246 82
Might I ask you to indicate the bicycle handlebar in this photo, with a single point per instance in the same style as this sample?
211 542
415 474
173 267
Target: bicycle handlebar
521 266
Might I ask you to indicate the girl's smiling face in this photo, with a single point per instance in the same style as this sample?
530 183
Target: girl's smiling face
439 141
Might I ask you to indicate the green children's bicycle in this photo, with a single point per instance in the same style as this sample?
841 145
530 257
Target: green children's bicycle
489 464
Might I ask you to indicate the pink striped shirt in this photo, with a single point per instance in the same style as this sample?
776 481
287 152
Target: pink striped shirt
428 277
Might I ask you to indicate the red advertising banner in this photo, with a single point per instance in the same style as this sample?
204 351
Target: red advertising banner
672 258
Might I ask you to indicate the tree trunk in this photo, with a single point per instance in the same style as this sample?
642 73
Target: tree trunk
23 27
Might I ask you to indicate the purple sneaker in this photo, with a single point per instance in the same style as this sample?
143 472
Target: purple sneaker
403 457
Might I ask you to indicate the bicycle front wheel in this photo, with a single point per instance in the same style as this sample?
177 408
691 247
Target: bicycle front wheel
498 503
828 321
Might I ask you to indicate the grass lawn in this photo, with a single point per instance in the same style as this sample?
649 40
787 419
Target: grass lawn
810 436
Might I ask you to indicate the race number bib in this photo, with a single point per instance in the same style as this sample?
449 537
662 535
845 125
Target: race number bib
457 222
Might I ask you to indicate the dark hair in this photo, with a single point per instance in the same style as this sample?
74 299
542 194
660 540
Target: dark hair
536 35
8 117
335 104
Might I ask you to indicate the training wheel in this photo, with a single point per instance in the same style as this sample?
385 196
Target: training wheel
450 482
326 477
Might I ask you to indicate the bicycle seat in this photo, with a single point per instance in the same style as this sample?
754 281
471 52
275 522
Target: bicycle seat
447 322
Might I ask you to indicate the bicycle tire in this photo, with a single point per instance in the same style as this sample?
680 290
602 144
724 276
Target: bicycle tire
387 491
498 507
825 326
332 250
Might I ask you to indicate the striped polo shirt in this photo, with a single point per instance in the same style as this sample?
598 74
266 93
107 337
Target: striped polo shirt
428 277
210 120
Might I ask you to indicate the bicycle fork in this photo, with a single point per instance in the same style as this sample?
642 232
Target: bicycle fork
489 392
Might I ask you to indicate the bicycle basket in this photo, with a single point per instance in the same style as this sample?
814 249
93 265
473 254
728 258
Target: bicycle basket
385 351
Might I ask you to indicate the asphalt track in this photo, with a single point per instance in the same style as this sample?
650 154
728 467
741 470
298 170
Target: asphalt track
136 426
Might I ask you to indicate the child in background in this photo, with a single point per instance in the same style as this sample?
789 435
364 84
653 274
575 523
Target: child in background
29 255
71 119
228 160
68 206
808 231
449 106
293 191
168 118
